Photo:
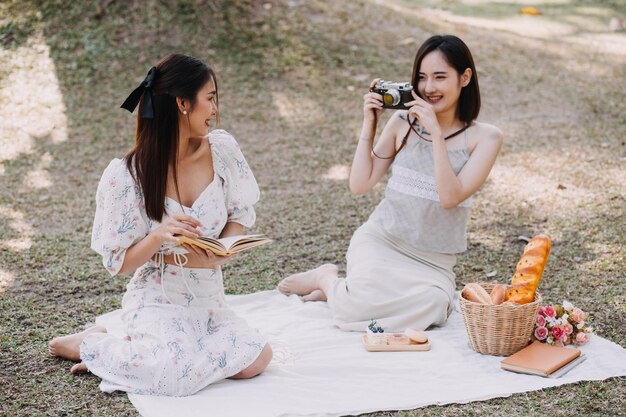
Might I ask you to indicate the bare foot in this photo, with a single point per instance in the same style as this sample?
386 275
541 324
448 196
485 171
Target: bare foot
317 295
305 283
68 347
79 368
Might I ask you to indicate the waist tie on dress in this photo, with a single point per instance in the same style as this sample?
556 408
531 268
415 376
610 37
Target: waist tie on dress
180 260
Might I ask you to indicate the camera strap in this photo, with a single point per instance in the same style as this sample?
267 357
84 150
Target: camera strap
408 132
404 139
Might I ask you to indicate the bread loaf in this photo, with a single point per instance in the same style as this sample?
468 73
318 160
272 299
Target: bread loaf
529 270
498 293
475 293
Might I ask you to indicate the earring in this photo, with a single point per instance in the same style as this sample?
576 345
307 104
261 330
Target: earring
184 111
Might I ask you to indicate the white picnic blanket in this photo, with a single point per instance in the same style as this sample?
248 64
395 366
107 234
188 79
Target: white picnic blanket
319 370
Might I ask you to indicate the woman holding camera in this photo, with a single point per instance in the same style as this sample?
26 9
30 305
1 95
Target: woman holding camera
400 262
176 180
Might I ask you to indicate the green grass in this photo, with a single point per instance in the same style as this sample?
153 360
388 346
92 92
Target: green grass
291 78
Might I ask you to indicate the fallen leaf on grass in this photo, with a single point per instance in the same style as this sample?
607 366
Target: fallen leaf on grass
530 10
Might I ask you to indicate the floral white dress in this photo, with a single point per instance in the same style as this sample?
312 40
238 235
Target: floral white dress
182 336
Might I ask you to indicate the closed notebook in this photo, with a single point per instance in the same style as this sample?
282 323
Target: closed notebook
540 359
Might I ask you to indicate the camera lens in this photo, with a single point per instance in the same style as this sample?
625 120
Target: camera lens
391 97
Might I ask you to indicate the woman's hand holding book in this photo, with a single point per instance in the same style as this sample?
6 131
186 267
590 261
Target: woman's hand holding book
204 258
177 224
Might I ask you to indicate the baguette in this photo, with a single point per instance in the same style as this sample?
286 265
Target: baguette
520 294
529 270
475 293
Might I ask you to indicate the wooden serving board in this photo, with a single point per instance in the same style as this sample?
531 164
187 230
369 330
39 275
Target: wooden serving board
413 347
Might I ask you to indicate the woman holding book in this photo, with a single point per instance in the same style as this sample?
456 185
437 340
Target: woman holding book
176 180
400 262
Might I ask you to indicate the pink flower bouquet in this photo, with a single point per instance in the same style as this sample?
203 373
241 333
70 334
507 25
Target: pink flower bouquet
561 325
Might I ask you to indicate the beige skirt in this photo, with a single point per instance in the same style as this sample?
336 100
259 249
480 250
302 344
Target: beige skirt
393 283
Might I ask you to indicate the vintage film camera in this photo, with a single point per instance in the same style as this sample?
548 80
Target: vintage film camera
394 94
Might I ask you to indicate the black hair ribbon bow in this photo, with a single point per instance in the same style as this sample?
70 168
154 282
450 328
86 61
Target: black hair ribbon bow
145 90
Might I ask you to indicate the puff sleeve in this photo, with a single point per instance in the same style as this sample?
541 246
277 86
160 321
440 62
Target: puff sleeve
120 219
240 187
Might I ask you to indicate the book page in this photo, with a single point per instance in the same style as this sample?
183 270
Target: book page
204 243
228 242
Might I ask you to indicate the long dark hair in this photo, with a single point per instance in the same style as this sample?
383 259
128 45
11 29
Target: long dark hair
460 58
156 139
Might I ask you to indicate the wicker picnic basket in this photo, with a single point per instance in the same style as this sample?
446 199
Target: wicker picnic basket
498 329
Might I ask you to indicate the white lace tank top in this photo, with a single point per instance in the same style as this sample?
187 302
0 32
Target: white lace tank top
411 209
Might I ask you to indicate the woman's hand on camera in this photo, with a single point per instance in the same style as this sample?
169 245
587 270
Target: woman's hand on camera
177 224
200 258
425 114
372 104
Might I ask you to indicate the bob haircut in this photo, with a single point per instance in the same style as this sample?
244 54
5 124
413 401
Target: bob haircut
458 55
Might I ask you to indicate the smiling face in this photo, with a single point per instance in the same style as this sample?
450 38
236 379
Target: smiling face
439 83
204 109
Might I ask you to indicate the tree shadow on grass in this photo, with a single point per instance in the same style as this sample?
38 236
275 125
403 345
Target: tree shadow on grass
296 111
290 151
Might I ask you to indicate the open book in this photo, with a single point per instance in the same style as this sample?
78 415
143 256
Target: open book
543 360
227 245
